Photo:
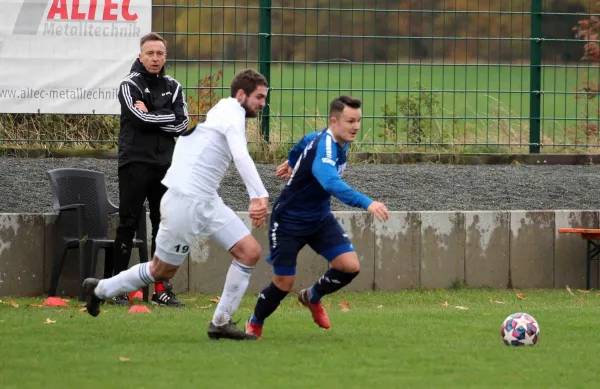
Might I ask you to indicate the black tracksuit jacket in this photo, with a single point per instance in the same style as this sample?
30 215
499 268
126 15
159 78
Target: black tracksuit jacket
150 137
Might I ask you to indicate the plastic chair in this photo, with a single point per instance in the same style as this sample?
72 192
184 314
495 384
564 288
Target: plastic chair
81 200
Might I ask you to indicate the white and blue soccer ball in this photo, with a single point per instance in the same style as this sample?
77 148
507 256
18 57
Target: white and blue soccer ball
520 329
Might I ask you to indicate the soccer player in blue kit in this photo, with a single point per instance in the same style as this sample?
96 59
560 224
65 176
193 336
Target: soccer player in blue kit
302 215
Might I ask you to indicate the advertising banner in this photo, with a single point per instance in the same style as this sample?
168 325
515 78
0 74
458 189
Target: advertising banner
68 56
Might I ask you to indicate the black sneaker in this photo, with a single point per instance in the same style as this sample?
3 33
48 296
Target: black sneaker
92 301
121 300
167 297
228 331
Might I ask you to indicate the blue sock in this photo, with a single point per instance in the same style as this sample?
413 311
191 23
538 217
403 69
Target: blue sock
313 296
268 301
332 281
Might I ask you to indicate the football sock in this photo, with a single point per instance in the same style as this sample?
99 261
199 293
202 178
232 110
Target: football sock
236 283
332 281
268 301
126 281
159 287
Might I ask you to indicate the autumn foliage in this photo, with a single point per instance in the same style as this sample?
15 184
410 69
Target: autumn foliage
587 30
202 97
357 31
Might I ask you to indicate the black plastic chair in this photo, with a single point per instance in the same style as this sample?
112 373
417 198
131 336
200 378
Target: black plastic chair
80 197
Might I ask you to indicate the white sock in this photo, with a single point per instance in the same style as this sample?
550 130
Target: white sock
126 281
236 283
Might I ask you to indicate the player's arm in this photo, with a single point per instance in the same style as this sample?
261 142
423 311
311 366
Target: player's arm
243 161
128 95
285 169
325 171
259 197
182 120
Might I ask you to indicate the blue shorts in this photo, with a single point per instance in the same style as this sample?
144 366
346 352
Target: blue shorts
329 241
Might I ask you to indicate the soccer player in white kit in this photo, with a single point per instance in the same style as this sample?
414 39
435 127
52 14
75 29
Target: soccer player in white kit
192 208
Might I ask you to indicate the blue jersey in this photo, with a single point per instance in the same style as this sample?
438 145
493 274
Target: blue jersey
318 162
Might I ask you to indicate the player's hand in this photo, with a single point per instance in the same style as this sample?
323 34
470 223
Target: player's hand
379 210
284 171
141 106
258 210
258 222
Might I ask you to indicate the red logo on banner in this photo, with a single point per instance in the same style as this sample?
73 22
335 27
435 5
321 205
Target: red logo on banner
107 10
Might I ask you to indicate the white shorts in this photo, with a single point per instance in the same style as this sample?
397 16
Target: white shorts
183 219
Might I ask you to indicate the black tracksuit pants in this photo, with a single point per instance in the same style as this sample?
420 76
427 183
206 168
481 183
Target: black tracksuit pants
137 182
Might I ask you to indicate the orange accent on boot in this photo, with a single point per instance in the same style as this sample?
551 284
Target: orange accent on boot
318 312
254 329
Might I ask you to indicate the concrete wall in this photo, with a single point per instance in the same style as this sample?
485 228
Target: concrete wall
497 249
21 254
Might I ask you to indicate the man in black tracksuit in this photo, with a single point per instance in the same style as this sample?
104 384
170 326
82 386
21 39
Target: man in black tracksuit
153 114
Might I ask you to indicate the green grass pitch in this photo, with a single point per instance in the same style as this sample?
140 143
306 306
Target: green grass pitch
385 340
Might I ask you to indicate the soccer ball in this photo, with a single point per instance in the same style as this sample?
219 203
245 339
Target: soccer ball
520 329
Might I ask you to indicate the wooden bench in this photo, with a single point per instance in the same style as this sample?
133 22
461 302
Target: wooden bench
592 236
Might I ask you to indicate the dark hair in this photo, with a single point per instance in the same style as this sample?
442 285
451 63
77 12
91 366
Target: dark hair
339 103
247 80
152 36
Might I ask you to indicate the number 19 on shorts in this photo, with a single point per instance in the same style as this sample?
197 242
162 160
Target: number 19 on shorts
182 249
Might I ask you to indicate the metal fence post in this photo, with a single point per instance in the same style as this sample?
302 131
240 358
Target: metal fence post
535 75
264 59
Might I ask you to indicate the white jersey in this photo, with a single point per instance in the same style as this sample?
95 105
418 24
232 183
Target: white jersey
201 159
